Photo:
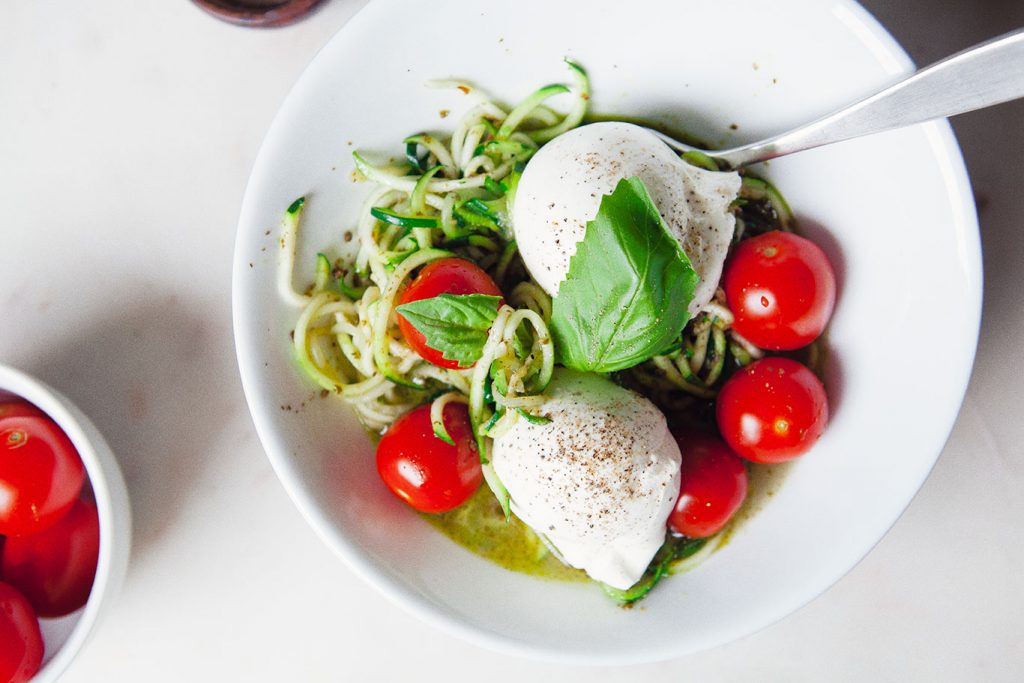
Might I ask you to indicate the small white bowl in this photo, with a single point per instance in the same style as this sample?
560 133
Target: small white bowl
64 637
894 212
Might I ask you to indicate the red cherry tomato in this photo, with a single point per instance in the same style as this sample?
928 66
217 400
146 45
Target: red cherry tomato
21 642
781 288
447 276
424 471
773 410
55 568
40 474
19 409
712 487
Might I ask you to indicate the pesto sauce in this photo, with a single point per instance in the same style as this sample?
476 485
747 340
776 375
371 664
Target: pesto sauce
479 526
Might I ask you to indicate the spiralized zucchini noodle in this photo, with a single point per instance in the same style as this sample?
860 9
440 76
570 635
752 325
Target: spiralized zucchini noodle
455 201
453 197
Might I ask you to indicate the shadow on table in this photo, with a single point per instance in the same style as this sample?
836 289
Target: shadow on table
153 380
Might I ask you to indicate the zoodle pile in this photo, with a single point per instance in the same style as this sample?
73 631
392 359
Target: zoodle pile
452 199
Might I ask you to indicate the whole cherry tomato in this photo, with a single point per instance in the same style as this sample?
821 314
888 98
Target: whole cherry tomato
40 474
781 288
712 486
21 642
773 410
55 568
424 471
19 409
446 276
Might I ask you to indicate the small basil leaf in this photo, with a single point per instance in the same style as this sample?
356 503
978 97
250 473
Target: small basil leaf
629 284
454 324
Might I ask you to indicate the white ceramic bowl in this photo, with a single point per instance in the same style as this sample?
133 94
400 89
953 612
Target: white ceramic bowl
64 637
894 212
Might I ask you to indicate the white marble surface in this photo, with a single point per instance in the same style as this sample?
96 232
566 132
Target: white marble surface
127 130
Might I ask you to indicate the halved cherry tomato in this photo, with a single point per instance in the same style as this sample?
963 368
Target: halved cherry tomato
712 487
773 410
21 642
446 276
40 474
781 288
424 471
55 568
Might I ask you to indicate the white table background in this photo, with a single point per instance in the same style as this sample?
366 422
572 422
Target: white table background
127 132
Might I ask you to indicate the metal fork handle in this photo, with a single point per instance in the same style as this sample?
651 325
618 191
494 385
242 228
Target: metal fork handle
984 75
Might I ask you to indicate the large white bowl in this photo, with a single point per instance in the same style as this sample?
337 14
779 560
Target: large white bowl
893 211
64 637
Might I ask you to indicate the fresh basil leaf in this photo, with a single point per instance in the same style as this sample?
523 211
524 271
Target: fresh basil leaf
454 324
629 284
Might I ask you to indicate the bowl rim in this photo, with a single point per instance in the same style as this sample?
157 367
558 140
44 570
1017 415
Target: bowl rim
942 142
112 505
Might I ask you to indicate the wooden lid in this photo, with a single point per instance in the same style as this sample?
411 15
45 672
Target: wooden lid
259 13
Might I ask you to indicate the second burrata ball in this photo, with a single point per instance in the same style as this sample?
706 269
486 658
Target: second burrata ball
563 184
598 480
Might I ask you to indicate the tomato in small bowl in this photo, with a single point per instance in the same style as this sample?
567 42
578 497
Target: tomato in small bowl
68 570
40 472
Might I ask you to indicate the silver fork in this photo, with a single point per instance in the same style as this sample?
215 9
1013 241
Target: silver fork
986 74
